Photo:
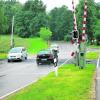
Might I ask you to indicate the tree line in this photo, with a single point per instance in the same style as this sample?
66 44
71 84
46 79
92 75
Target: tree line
32 16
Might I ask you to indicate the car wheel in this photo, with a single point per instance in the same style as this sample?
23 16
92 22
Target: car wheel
37 63
25 58
9 60
49 62
21 59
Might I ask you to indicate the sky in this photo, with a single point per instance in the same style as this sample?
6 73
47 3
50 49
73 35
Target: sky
50 4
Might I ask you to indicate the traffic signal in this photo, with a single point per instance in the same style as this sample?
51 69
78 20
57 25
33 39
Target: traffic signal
75 34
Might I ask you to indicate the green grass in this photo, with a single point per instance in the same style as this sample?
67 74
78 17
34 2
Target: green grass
94 46
71 84
92 55
33 45
3 55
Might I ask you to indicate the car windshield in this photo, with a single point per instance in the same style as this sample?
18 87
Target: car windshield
15 50
53 46
45 52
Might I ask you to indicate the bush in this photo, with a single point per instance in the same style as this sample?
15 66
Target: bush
97 32
97 36
67 37
24 35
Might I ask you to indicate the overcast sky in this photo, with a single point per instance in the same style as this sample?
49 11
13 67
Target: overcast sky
50 4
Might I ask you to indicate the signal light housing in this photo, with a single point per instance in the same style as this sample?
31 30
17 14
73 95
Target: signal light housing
75 34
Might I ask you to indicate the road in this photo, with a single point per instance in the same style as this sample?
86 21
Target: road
16 75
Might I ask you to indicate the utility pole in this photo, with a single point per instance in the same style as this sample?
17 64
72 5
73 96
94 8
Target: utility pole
12 33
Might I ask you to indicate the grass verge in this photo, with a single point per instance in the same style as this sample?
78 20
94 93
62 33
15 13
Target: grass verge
92 55
3 56
94 46
33 45
71 84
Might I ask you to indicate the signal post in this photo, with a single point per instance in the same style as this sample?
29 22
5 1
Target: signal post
79 40
82 46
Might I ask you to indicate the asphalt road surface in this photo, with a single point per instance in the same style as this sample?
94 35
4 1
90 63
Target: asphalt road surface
16 75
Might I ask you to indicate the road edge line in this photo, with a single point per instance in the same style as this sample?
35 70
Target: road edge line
29 83
17 89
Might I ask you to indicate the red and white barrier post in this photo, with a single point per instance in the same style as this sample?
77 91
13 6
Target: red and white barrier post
81 45
84 22
74 17
75 36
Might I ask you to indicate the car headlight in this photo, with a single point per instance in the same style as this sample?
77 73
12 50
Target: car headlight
8 56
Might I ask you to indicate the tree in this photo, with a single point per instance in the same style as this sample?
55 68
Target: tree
45 33
9 9
97 26
97 32
3 20
91 19
98 10
31 19
9 13
60 22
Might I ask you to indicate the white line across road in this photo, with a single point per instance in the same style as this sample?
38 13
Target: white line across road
65 62
28 83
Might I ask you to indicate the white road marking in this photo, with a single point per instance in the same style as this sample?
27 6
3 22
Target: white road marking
98 78
65 62
17 89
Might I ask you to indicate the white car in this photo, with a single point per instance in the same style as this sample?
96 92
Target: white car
17 53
